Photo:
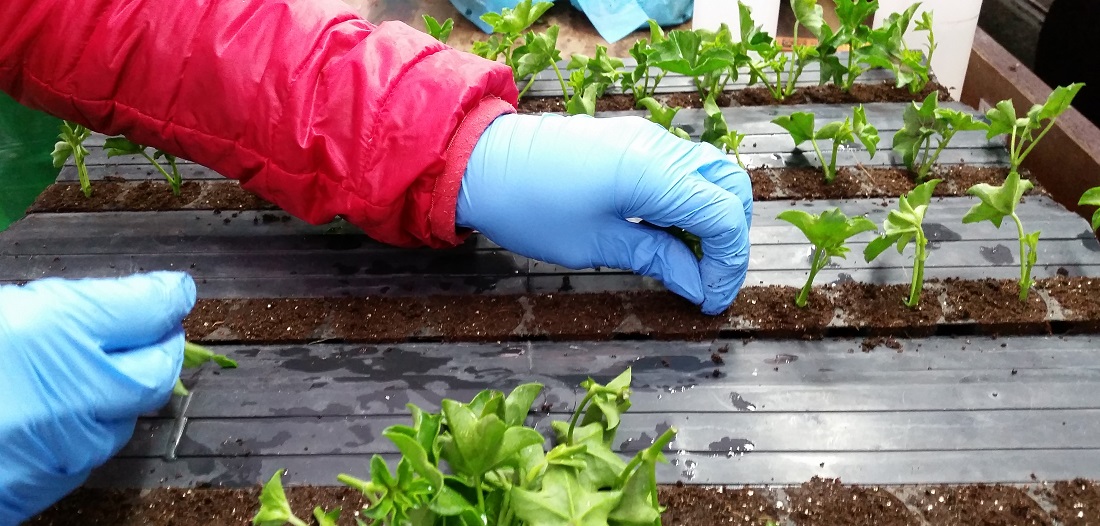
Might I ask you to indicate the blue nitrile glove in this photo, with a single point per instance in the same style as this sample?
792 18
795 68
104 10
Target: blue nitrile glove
80 361
613 19
560 189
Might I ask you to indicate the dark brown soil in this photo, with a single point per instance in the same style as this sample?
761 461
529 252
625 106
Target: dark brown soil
772 313
871 182
693 505
1078 297
979 505
115 195
995 305
984 306
874 342
820 502
879 309
1078 502
754 96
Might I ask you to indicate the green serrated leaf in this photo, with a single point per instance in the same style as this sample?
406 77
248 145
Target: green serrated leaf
809 15
518 403
417 458
116 146
997 202
1091 197
1059 101
274 507
799 124
864 131
563 501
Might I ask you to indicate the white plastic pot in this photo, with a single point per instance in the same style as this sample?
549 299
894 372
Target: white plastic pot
953 23
711 14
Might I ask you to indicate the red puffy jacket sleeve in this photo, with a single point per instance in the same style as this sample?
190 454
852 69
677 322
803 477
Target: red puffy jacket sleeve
303 101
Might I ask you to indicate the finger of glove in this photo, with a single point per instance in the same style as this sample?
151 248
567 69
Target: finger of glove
717 217
654 253
717 168
140 380
119 314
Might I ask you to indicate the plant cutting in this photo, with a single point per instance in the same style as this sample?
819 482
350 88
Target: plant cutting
275 508
925 123
663 114
71 144
717 132
195 355
903 225
538 53
438 31
637 81
590 77
998 202
828 232
869 48
710 58
1091 197
508 26
117 146
800 125
771 63
1020 131
498 472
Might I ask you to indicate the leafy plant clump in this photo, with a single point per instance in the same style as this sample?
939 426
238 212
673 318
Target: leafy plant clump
998 202
195 355
642 82
590 77
927 123
71 144
710 58
1020 131
800 125
768 62
869 48
117 146
902 226
508 27
716 131
663 114
437 30
498 472
275 508
828 232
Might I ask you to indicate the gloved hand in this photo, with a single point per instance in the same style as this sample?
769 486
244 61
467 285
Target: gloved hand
81 360
560 189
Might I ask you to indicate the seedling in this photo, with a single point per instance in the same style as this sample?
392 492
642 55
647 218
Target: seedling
71 144
590 77
497 470
508 26
869 48
717 132
902 226
662 114
637 81
998 202
800 126
538 52
1091 197
275 508
440 32
828 232
708 57
117 146
1021 130
771 62
923 124
195 355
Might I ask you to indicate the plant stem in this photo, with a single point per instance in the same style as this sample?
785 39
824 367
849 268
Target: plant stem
815 266
523 91
851 79
918 270
1020 160
821 159
930 162
480 498
832 161
794 54
577 414
171 182
764 79
1012 151
561 80
82 172
1025 272
660 444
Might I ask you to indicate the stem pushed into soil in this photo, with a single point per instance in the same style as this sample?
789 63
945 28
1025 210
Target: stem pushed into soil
816 265
1025 268
918 270
829 175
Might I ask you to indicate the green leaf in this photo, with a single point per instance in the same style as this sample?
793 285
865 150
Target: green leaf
903 224
1091 197
864 131
799 124
518 403
563 501
274 508
179 389
1002 119
683 53
514 440
659 112
714 124
829 230
809 15
450 503
116 146
326 519
878 245
195 355
584 103
61 152
440 32
997 202
512 22
417 457
1059 101
839 131
853 13
538 53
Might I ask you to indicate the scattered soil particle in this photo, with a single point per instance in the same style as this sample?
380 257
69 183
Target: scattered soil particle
1078 298
979 505
772 310
870 344
291 319
667 316
1077 502
880 309
189 507
994 305
116 195
694 505
828 502
764 187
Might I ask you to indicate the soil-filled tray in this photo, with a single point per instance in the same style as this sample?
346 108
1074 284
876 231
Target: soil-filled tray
817 502
117 194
